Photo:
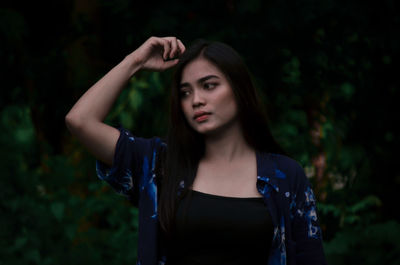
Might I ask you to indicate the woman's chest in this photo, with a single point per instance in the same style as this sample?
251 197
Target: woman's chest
230 180
224 230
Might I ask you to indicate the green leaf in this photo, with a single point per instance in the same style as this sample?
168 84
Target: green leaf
347 90
20 242
365 203
57 209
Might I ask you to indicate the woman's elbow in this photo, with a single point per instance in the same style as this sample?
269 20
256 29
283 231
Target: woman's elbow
73 122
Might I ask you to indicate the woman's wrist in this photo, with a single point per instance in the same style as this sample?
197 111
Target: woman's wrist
133 63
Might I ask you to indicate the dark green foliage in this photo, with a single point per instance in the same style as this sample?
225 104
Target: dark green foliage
52 209
371 244
325 69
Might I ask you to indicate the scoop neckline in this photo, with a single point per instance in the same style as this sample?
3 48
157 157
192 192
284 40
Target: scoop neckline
225 197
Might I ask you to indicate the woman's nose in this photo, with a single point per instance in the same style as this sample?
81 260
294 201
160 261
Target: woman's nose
197 98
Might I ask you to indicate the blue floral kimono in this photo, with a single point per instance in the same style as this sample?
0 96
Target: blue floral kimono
281 180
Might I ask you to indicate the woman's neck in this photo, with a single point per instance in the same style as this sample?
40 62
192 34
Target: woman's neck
227 146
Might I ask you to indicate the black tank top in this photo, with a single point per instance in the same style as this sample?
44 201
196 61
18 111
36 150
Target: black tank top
220 230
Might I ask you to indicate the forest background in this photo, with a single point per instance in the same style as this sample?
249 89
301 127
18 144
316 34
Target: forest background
326 71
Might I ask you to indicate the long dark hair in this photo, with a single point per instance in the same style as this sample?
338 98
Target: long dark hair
185 147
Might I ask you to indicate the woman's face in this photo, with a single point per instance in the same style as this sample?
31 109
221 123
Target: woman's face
204 88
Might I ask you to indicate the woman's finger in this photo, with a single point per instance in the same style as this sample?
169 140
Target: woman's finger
174 47
167 48
181 46
170 63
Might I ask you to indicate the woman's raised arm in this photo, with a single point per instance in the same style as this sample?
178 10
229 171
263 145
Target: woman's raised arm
85 119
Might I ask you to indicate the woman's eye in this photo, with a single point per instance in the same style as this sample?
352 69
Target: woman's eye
184 93
209 85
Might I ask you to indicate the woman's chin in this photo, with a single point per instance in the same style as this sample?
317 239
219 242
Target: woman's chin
209 131
202 129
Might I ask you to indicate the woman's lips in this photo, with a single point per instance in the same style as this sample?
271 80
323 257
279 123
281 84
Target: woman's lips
202 117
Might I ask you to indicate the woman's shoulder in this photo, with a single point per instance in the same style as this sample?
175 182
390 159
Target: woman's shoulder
286 163
288 167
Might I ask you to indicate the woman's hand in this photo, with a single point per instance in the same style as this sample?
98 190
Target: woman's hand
159 54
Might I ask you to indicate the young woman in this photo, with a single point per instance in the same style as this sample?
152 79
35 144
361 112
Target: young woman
219 190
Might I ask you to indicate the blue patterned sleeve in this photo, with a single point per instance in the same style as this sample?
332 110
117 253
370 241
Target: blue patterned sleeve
306 230
124 173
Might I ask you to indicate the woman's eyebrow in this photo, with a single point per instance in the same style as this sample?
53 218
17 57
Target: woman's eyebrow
201 80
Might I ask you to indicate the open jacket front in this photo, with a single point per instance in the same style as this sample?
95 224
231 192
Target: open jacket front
281 180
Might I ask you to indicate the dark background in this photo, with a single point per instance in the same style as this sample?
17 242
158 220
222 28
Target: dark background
327 73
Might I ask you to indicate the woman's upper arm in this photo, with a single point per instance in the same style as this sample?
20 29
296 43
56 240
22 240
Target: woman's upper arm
99 138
